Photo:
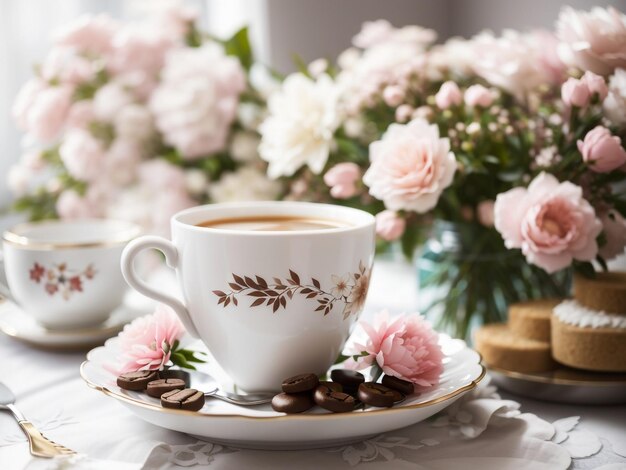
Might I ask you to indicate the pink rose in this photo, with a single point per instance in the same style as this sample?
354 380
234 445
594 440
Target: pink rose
478 95
92 34
81 114
71 205
448 95
393 95
596 85
137 48
594 40
147 341
42 110
411 166
575 93
82 154
614 230
405 347
550 221
485 213
389 226
602 150
341 179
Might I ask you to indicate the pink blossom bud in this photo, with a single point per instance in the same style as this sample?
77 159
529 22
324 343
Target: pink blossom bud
341 179
404 113
393 95
478 95
575 93
448 95
595 84
485 213
389 226
602 150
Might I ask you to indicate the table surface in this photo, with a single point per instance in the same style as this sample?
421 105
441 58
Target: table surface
51 393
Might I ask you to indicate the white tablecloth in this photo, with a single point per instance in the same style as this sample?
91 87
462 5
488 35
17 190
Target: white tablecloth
484 431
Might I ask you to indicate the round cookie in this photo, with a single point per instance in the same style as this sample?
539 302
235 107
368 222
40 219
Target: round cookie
589 340
606 292
531 319
502 348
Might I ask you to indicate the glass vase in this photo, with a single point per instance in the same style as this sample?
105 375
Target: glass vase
467 277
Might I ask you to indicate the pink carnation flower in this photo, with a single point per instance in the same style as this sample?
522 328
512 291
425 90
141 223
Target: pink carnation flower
551 222
405 347
147 342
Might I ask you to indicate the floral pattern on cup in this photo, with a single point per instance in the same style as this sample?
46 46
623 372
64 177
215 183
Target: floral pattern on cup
61 279
348 290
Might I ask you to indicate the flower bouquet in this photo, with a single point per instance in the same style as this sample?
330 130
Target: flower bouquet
138 120
503 152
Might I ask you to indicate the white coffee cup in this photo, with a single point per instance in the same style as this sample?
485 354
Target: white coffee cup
224 274
66 274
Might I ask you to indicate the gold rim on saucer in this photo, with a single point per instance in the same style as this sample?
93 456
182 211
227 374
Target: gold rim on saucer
154 407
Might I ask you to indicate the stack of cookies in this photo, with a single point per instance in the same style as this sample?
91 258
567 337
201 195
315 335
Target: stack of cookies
587 332
522 345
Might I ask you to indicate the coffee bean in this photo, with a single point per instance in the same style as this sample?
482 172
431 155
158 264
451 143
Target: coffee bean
292 402
337 402
136 380
331 386
300 383
376 394
400 385
348 378
176 374
156 388
187 399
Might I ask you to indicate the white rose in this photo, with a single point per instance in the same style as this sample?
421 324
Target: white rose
615 102
109 100
299 129
244 146
134 122
246 184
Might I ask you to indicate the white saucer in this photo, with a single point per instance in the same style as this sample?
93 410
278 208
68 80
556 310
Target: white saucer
19 325
262 428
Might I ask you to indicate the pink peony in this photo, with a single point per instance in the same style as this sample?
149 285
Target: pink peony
448 95
614 230
176 19
478 95
411 166
575 93
389 226
137 48
196 101
42 110
66 65
550 221
596 85
89 34
594 40
405 347
147 341
81 114
341 179
82 154
110 99
550 63
602 150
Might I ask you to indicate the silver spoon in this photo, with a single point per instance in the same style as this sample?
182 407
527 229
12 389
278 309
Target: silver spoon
203 381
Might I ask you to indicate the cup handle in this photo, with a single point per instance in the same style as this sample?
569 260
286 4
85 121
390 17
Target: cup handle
171 258
4 289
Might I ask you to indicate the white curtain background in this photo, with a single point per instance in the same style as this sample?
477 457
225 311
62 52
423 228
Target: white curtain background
279 29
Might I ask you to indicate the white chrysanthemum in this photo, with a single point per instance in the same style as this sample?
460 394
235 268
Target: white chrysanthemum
246 184
299 129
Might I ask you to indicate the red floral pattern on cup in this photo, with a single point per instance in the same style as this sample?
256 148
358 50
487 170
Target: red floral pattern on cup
61 279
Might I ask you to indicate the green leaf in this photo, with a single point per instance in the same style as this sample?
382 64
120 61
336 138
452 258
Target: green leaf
341 358
239 46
